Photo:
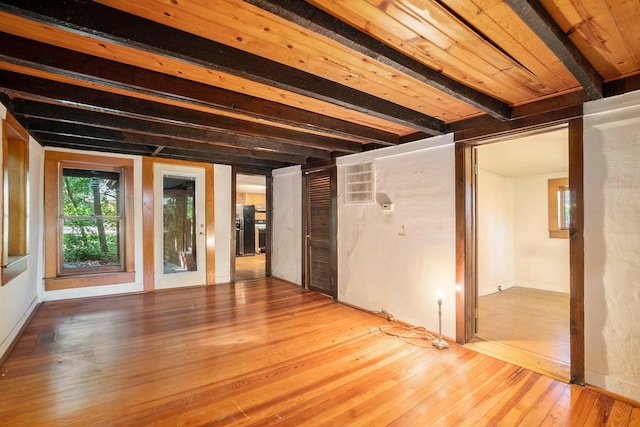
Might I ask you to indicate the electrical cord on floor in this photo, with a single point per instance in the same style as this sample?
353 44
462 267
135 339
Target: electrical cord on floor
415 335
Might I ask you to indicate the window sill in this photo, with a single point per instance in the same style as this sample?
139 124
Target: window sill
559 234
16 265
87 280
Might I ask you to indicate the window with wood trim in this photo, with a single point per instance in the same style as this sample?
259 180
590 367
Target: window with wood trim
89 219
15 173
559 208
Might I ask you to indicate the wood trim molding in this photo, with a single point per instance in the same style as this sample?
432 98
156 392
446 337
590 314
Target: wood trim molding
465 248
14 210
54 161
576 251
147 224
210 224
83 280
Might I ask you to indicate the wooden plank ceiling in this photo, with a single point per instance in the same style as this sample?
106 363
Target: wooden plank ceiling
264 84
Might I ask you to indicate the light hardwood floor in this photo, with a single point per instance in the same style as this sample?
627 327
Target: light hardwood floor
265 352
528 327
250 267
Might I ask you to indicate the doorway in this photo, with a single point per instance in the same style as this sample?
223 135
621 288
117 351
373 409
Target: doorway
319 207
250 226
180 226
522 279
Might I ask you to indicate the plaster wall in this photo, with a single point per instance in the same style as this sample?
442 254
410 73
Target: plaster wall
397 260
496 263
612 244
286 255
19 297
222 218
540 261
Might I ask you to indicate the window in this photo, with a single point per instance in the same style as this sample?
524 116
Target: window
15 171
359 183
89 219
559 208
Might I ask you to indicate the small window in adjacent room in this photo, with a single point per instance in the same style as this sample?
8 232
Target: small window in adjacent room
359 183
559 208
89 220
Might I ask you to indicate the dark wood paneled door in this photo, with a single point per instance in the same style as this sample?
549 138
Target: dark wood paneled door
320 230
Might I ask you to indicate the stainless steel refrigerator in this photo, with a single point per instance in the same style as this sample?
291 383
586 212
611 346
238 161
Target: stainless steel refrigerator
245 230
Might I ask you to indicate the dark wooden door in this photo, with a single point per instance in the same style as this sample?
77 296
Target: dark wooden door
320 230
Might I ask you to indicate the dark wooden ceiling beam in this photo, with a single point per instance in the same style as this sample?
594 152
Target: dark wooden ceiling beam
64 62
93 126
103 146
110 103
539 20
98 21
318 21
65 141
173 153
150 144
490 127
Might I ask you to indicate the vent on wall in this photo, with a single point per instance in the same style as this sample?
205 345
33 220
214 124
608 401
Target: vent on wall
359 183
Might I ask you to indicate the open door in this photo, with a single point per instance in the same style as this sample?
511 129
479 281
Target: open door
320 230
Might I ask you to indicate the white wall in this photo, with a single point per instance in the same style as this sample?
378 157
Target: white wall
514 247
496 259
222 218
612 244
19 297
286 232
397 260
540 261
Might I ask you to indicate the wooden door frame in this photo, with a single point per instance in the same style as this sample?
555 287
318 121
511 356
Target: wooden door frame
269 201
333 182
148 234
466 275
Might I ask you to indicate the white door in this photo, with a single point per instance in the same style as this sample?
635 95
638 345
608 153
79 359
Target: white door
179 226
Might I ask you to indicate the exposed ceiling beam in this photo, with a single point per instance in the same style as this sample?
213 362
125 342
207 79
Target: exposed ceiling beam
63 62
318 21
539 20
90 99
153 143
484 127
173 153
105 145
98 21
62 141
82 123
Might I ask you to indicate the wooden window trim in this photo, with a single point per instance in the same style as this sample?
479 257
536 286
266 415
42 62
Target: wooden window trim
14 207
555 232
53 165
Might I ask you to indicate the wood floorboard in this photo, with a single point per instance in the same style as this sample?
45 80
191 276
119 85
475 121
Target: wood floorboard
528 327
265 352
250 267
